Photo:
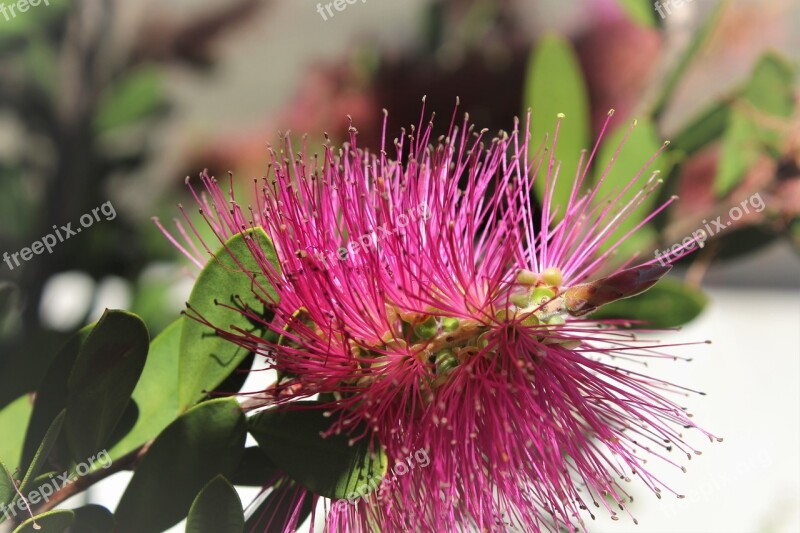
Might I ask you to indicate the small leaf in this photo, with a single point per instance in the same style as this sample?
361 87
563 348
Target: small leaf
103 378
206 359
330 467
156 393
555 85
669 303
255 470
51 522
216 509
43 452
283 509
93 519
51 395
205 442
14 420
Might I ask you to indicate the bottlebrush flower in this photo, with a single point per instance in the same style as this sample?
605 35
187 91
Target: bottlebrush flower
426 294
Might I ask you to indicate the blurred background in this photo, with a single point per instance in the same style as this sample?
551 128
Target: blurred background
110 101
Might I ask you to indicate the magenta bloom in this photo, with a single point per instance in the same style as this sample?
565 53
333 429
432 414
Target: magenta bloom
421 286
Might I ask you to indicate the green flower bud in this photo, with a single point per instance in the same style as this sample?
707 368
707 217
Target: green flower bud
450 324
526 277
427 330
542 295
552 276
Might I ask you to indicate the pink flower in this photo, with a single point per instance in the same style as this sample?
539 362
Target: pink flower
425 291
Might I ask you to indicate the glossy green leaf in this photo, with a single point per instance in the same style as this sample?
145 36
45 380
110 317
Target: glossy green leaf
51 395
93 519
282 509
207 359
136 96
216 509
555 85
156 393
103 378
43 452
51 522
14 419
642 144
330 467
7 492
255 470
687 58
669 303
203 443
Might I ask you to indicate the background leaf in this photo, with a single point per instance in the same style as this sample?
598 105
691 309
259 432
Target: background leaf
203 443
14 419
42 453
255 470
207 359
555 85
103 378
329 467
216 509
93 519
50 522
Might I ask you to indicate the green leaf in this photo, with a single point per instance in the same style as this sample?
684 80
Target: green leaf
255 470
156 394
206 359
687 58
329 467
51 522
216 509
7 492
103 378
42 453
279 512
205 442
669 303
94 519
704 129
555 85
9 301
642 144
739 152
640 12
135 97
770 87
14 420
51 396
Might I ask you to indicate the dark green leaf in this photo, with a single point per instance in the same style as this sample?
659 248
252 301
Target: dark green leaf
51 522
669 303
704 129
206 359
156 394
216 509
255 470
555 85
203 443
743 241
93 519
283 509
14 420
51 396
103 378
330 467
43 452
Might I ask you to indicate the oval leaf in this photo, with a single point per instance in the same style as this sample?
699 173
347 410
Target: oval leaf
102 380
94 519
329 467
206 359
205 442
50 522
43 452
14 420
217 508
555 85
